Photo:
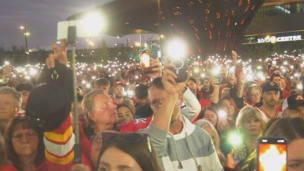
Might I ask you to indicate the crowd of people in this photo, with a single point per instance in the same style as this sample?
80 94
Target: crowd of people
129 120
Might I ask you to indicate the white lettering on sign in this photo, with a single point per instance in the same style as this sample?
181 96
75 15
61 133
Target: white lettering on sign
273 39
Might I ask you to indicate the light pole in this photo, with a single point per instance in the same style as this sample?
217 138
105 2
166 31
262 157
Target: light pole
26 34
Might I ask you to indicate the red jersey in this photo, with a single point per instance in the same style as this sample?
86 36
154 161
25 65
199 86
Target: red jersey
134 125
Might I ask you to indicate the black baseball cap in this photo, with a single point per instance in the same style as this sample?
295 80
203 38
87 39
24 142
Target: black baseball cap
292 102
270 85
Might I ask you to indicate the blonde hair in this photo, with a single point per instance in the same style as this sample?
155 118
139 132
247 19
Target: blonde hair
204 123
246 113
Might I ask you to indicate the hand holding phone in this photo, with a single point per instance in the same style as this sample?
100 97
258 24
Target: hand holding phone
145 62
180 69
222 117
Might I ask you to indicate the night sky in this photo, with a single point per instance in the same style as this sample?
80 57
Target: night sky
41 18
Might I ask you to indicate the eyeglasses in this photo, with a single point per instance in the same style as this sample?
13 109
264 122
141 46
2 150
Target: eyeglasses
112 137
27 135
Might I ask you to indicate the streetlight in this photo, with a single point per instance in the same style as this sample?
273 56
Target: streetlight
26 34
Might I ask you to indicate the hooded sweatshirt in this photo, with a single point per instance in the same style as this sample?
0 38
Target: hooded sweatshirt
190 150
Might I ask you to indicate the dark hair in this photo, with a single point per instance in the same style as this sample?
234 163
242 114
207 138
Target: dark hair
236 110
193 80
127 104
288 128
274 75
25 86
25 123
101 82
157 82
203 111
141 91
138 150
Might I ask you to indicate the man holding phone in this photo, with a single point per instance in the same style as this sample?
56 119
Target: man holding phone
169 130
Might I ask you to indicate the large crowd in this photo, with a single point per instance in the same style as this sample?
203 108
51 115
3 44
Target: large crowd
130 120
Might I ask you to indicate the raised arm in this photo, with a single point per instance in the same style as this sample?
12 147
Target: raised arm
193 106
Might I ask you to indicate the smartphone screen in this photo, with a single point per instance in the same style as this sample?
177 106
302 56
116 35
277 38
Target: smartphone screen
272 154
144 59
222 117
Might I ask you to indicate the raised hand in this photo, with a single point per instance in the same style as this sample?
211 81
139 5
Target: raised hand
58 55
242 78
156 68
170 85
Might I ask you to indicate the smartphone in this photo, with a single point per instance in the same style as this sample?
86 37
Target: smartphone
222 117
145 62
216 72
180 69
272 154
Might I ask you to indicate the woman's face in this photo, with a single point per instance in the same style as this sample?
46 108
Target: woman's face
114 159
252 126
25 142
254 95
211 117
295 157
124 115
228 108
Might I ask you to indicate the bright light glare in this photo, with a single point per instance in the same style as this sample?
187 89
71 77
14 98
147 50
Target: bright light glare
216 71
33 71
88 85
232 69
6 63
300 86
270 154
93 23
222 114
130 93
249 77
196 70
235 139
176 49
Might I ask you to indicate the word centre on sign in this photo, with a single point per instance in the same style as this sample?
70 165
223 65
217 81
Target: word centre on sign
274 39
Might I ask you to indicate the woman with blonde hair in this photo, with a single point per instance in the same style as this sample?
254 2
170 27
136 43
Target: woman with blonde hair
253 95
250 125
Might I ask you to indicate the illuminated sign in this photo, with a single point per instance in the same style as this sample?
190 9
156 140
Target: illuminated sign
274 39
